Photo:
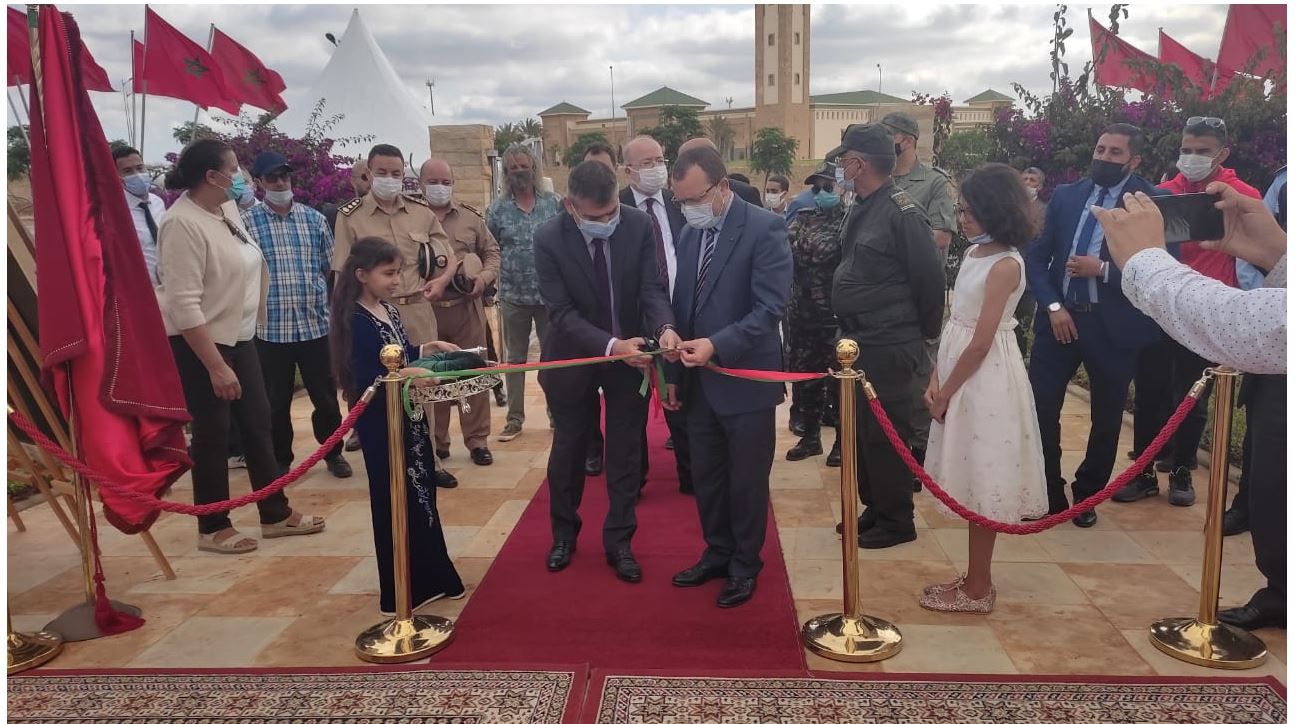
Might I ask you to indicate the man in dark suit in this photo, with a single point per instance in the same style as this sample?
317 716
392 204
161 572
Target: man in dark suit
739 188
599 281
734 272
1083 317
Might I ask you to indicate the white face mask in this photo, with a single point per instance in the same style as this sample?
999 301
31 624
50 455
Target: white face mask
386 188
279 198
437 194
1195 167
651 180
773 200
700 216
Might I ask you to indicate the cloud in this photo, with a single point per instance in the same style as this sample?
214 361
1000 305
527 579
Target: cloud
497 63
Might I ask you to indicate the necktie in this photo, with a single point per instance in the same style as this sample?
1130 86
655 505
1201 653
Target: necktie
148 219
1079 286
604 315
709 246
659 249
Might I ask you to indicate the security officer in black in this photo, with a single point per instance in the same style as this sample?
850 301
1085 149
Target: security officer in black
888 295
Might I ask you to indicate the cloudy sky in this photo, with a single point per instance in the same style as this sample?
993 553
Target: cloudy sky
495 63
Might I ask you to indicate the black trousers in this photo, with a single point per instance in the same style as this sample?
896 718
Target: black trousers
882 479
625 412
279 360
1266 490
211 429
1110 371
731 457
595 437
1153 396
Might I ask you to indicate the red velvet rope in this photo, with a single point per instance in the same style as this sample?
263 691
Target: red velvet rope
172 506
1048 522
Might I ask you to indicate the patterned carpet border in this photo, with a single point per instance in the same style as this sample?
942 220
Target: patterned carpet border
373 695
832 698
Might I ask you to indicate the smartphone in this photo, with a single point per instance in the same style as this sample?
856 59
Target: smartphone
1190 217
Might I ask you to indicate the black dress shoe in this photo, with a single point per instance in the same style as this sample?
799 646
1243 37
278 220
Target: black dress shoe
670 445
338 467
444 479
594 464
1234 522
877 537
806 447
481 456
624 565
443 454
560 555
737 591
1249 618
1086 520
697 575
865 521
835 457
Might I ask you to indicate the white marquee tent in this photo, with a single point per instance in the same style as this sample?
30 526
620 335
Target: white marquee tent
360 83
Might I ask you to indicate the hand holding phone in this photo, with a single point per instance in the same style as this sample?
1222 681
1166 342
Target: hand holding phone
1252 233
1190 217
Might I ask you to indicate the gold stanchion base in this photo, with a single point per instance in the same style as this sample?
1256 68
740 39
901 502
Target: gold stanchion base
842 638
395 642
78 623
29 650
1216 645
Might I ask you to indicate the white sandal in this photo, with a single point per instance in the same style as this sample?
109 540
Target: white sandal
306 525
235 543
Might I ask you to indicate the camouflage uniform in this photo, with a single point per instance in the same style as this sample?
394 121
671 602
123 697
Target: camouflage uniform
813 234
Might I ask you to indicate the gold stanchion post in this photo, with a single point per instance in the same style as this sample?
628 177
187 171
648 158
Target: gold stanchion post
406 637
850 636
1204 640
29 650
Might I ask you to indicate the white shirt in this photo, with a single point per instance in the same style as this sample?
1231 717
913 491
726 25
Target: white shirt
669 242
148 244
1242 329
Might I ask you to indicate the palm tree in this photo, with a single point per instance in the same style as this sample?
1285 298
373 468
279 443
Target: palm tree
530 127
722 134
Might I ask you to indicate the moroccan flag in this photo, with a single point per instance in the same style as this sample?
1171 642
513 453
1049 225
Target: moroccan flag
137 66
1198 70
106 356
251 81
1113 60
1250 34
177 67
19 62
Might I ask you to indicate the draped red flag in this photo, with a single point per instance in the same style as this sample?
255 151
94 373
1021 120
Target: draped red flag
1114 58
19 60
177 67
1198 70
1250 35
106 355
137 66
246 76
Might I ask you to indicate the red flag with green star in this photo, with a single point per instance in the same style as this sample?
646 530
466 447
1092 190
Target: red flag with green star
177 67
252 82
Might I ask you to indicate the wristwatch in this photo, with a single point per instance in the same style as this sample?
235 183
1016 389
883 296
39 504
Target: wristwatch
1054 307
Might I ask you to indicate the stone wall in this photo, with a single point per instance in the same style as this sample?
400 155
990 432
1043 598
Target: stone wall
465 148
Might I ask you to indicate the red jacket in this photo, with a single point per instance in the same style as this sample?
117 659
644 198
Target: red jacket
1209 263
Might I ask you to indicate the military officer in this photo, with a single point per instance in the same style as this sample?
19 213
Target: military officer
460 318
931 189
888 296
406 221
813 236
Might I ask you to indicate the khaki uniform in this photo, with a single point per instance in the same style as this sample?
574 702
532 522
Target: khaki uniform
411 224
931 189
460 320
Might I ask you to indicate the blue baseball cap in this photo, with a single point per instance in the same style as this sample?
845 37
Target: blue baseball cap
268 161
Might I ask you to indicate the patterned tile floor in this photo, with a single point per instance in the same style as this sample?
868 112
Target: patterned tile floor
1072 601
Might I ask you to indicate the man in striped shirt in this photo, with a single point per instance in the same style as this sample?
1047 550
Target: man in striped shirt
296 241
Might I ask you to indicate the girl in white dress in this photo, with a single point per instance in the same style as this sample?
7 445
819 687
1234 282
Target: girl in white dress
984 447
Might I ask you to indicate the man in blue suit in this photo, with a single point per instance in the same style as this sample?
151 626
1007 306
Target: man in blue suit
1083 319
734 272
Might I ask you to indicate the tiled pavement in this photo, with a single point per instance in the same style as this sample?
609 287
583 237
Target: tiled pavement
1071 601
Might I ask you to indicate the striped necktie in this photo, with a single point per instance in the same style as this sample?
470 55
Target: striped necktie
709 246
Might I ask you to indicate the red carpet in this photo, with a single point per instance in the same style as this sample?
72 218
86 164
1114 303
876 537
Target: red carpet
585 615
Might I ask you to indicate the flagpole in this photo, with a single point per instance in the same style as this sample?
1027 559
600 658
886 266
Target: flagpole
126 111
193 129
144 84
135 141
26 113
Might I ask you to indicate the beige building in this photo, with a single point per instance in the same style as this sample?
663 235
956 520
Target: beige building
781 85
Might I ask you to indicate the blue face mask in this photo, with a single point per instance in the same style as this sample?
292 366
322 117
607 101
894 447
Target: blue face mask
238 186
982 239
137 184
846 185
826 199
598 229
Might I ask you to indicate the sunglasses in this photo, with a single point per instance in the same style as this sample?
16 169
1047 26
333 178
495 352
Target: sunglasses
1208 121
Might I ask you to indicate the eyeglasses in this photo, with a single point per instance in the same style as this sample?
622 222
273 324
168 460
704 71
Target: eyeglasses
1208 121
700 198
